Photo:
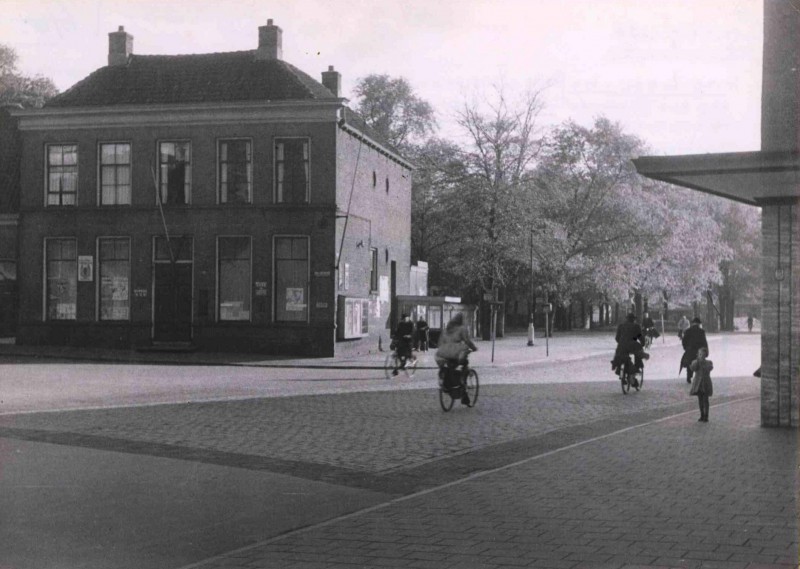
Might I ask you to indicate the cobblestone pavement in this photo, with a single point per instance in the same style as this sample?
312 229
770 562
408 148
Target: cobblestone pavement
671 493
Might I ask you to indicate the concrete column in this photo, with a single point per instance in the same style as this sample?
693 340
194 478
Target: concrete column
780 332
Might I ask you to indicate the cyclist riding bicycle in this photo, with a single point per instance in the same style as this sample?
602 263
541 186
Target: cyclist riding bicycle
629 341
454 345
403 338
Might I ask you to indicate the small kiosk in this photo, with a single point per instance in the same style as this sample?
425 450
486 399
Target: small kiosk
437 312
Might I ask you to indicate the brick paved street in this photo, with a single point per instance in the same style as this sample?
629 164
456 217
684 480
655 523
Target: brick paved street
673 493
554 467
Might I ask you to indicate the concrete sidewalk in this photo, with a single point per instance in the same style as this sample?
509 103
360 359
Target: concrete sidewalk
669 493
511 350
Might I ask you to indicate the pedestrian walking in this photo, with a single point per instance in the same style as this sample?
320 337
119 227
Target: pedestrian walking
749 322
683 325
694 338
701 384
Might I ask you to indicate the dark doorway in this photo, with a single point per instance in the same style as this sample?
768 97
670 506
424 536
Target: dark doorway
172 302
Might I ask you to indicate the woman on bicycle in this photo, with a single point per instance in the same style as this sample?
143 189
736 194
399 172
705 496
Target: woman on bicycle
454 345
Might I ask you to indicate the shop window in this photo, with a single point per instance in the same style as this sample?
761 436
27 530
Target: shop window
291 279
62 174
234 278
373 270
291 170
175 173
62 279
353 318
115 269
115 174
235 171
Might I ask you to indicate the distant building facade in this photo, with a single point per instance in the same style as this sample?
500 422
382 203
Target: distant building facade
227 201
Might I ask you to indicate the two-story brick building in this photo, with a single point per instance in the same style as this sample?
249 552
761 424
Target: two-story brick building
226 200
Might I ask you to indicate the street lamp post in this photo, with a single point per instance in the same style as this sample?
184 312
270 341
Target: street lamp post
533 299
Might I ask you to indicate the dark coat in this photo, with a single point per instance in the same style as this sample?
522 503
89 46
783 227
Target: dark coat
629 337
693 339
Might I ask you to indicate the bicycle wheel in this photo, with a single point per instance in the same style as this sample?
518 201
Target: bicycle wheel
472 387
623 378
389 365
445 400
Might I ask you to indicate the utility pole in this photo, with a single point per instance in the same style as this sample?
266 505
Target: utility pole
532 300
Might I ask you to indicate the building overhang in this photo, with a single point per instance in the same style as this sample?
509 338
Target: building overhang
752 178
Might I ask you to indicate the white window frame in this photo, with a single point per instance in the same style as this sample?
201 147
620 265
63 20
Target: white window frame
45 274
47 192
220 141
275 276
275 196
249 288
98 285
100 172
191 170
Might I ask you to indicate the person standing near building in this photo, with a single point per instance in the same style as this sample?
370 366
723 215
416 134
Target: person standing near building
701 385
683 325
421 341
694 338
749 322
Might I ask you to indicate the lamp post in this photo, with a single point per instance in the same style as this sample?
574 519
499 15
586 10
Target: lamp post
532 300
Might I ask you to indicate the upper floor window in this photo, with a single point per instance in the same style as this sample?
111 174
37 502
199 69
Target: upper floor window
115 174
175 172
235 171
62 174
291 170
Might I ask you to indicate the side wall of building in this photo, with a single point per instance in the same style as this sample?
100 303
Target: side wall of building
375 190
9 206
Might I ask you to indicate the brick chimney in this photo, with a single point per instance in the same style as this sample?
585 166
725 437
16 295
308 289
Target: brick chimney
270 42
120 47
332 80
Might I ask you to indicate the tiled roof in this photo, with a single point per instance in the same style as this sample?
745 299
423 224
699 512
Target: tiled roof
199 78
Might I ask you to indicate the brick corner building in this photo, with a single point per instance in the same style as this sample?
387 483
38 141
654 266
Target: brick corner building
227 201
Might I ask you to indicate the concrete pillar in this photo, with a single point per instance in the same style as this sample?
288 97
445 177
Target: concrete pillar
780 333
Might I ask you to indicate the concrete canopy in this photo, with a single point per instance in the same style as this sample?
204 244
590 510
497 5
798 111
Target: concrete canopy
747 177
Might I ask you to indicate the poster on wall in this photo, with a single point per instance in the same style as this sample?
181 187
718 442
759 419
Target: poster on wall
85 266
295 299
383 289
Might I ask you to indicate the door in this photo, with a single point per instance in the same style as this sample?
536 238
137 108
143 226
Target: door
172 302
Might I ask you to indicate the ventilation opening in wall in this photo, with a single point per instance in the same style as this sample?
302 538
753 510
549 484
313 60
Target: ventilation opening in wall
374 179
387 184
387 254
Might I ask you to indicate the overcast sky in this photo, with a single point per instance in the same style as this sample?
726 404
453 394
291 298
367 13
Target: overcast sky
684 75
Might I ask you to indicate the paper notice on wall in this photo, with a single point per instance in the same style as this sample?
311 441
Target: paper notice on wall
383 289
295 299
119 288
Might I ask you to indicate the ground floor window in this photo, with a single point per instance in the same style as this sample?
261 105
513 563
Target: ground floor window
234 278
62 279
291 279
115 265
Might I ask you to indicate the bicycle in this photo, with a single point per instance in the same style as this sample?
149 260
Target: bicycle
465 381
395 361
629 375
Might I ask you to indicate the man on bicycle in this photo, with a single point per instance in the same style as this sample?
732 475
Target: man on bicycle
629 341
403 339
454 345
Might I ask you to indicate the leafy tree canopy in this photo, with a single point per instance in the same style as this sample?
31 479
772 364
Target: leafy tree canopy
17 88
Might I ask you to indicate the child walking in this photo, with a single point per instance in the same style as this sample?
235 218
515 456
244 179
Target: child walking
701 382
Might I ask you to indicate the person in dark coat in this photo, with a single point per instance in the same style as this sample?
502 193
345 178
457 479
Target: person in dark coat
629 341
421 340
693 339
404 341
